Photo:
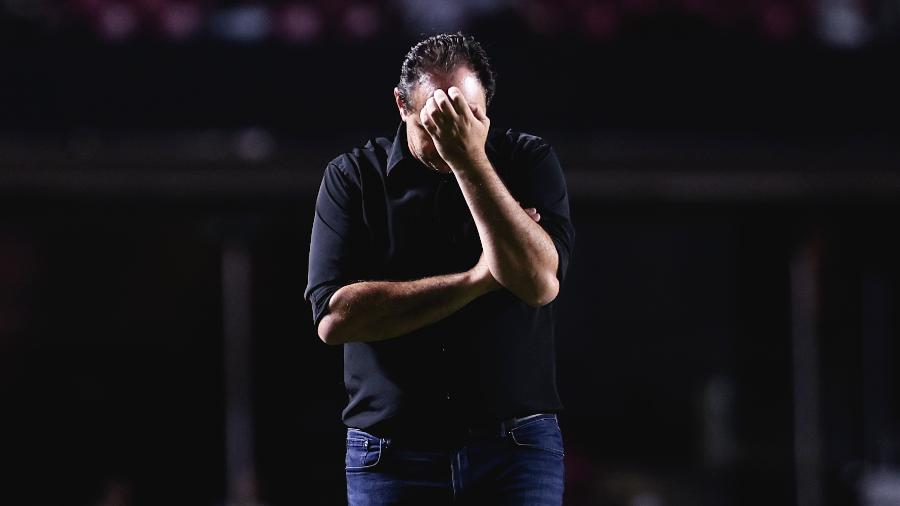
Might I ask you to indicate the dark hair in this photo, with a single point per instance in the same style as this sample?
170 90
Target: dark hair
443 53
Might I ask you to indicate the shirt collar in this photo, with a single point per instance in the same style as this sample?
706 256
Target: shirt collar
399 150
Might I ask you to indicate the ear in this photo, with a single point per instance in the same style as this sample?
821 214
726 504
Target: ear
400 105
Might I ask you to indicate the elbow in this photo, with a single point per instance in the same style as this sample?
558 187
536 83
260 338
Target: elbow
329 330
332 327
545 292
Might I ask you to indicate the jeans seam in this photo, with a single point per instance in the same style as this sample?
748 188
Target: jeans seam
529 422
512 434
382 444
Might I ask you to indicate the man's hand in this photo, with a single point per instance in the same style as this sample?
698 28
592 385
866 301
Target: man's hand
482 277
532 212
458 129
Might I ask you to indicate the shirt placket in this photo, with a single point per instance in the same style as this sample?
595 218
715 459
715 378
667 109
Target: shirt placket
444 227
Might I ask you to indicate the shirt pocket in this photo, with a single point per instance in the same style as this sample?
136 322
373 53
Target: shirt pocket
541 434
364 451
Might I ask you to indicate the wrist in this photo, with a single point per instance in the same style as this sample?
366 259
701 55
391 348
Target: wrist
481 281
469 163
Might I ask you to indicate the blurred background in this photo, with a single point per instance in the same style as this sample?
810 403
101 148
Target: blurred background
727 334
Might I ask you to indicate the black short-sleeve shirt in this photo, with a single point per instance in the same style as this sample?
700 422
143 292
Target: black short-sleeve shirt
382 215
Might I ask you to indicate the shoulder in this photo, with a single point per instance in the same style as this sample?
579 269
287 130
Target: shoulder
518 144
526 141
520 147
361 161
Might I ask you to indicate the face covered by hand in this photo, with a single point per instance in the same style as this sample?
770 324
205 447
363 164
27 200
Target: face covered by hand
446 124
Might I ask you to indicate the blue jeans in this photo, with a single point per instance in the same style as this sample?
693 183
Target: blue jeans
521 466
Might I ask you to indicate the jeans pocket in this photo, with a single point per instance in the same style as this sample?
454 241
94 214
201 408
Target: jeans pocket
364 451
540 434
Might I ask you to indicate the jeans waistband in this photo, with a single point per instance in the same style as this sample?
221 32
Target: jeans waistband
503 426
441 434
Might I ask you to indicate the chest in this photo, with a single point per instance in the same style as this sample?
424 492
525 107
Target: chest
425 229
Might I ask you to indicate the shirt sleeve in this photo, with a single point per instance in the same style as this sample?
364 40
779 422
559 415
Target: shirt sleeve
333 248
546 191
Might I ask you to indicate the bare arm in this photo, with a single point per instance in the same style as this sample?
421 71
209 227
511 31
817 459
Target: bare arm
378 310
520 254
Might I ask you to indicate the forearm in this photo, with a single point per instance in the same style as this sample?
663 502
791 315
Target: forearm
520 253
378 310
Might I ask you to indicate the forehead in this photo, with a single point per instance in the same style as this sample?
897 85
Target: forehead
462 77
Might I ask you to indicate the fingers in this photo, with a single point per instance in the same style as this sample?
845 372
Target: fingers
459 102
428 117
463 107
479 114
446 108
437 114
429 108
531 212
445 104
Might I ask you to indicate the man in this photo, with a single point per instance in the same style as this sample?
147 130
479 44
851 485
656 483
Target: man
435 259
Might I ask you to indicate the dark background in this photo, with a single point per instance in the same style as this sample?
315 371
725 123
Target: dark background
727 333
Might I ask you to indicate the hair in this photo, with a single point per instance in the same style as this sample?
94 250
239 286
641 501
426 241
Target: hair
443 53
